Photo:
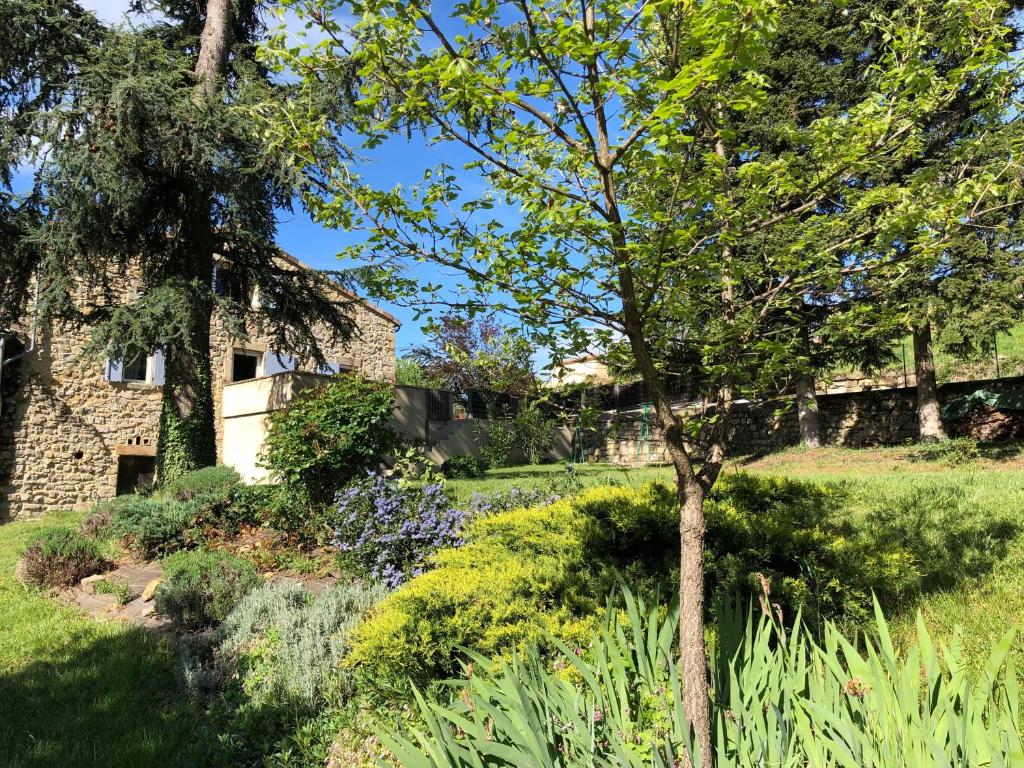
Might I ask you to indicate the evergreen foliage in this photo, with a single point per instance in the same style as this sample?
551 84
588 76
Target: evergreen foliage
146 167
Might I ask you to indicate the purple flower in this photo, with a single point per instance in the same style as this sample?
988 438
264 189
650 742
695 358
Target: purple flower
388 531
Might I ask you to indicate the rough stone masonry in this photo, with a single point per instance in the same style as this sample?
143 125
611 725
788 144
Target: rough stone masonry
69 429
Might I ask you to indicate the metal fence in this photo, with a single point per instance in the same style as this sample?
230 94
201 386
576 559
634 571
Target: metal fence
445 405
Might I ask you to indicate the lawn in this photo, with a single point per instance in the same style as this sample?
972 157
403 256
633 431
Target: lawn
78 692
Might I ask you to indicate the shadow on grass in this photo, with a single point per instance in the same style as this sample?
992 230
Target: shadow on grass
104 701
902 543
1001 451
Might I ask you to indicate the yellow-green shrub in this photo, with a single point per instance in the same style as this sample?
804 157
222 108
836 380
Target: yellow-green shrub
528 573
801 536
521 576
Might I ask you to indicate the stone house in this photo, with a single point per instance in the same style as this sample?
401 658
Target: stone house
72 433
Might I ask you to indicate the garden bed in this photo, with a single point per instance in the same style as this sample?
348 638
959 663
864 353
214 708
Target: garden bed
526 567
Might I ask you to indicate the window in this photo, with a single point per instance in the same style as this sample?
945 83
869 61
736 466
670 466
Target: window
144 369
245 365
135 370
227 282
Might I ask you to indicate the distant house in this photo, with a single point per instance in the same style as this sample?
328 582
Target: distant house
583 369
74 433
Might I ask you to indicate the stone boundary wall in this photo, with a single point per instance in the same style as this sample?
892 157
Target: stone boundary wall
854 419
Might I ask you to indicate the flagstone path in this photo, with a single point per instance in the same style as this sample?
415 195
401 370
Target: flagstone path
141 580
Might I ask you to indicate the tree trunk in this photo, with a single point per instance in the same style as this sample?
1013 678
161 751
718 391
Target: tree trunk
692 653
187 438
215 45
187 433
807 412
928 419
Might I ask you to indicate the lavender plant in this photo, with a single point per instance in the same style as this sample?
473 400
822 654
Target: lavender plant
386 531
484 504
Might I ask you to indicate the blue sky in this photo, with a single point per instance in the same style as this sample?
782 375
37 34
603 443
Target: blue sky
399 161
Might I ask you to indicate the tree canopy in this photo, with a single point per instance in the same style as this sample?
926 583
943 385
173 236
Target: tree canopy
614 129
476 353
149 170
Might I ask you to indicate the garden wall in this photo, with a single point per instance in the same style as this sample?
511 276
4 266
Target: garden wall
855 419
444 438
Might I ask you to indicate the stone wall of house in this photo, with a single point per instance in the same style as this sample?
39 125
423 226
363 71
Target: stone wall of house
63 426
370 353
855 419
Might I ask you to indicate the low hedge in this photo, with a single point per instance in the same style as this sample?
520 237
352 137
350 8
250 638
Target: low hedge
200 588
521 576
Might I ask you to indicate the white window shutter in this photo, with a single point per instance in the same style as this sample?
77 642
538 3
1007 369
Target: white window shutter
277 363
158 367
114 371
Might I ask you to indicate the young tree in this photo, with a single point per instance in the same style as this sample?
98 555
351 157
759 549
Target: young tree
149 163
470 353
613 128
410 373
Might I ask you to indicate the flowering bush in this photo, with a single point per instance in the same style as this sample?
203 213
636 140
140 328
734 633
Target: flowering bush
386 530
482 504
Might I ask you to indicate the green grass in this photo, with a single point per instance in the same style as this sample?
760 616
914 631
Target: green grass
79 692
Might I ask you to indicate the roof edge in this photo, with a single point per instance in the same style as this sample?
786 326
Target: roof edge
383 313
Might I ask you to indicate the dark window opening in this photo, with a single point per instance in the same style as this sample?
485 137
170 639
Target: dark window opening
228 284
135 370
244 366
134 473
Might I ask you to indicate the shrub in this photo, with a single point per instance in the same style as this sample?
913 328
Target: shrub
948 535
535 432
199 588
152 526
122 592
284 645
955 452
781 699
281 508
498 438
800 537
330 435
211 486
273 669
60 557
97 524
520 576
464 468
525 573
386 530
481 504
